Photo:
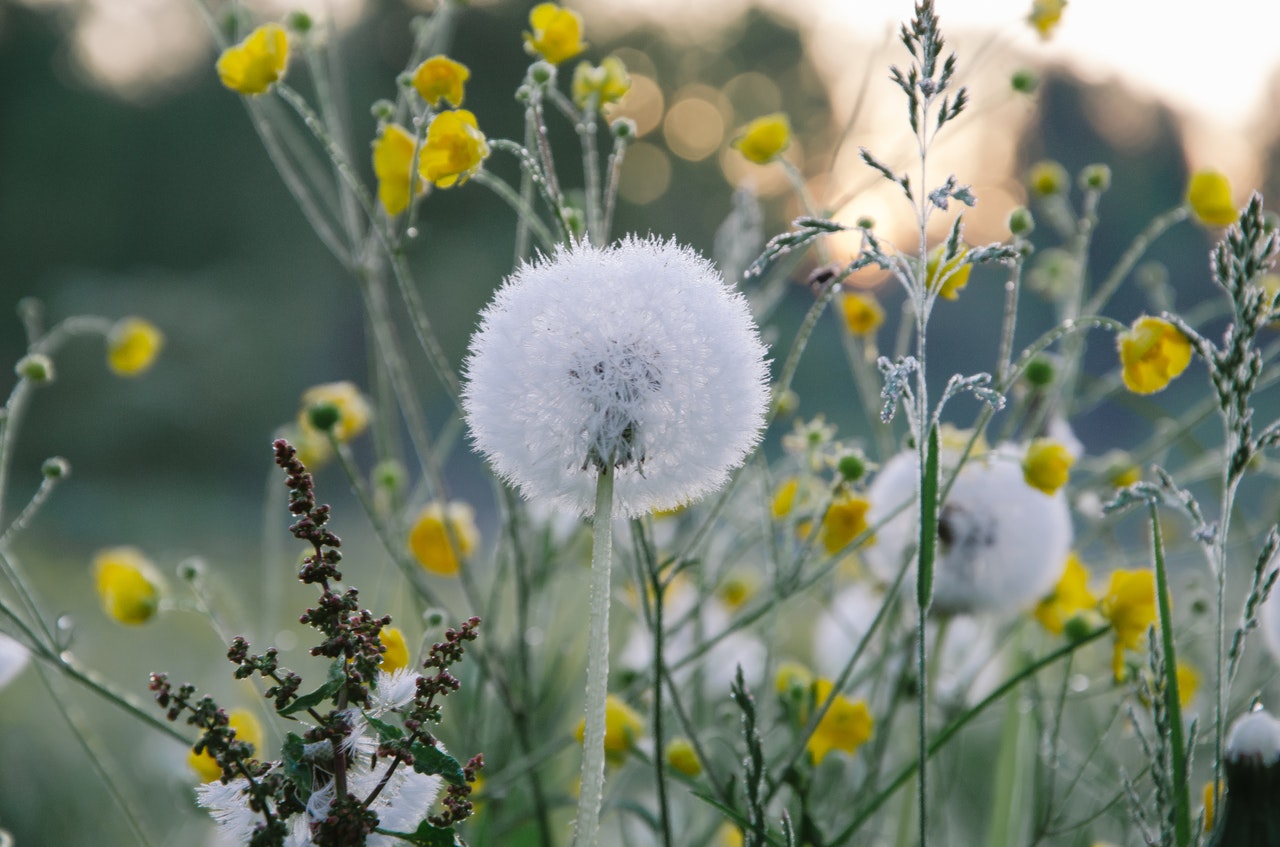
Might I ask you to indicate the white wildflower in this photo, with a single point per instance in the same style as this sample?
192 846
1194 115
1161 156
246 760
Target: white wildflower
638 355
1001 543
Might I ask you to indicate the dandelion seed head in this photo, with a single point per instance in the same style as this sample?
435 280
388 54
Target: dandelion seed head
636 357
1254 738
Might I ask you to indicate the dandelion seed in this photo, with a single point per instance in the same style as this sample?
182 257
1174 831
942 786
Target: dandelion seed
128 585
636 356
251 66
1001 543
132 346
764 139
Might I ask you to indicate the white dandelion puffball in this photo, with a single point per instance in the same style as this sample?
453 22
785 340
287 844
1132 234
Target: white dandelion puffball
1001 543
637 356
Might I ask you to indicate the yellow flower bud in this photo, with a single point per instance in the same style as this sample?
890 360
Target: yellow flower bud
441 78
1047 465
954 274
623 726
1152 352
352 410
862 314
784 499
132 346
682 757
393 166
1209 197
1070 597
252 65
764 139
609 81
844 521
557 33
1045 15
128 586
430 542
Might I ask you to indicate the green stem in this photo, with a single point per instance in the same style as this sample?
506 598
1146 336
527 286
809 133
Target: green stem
944 737
591 795
1173 705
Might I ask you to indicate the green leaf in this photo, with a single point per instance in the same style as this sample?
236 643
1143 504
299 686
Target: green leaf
321 694
433 761
425 835
928 521
386 731
295 764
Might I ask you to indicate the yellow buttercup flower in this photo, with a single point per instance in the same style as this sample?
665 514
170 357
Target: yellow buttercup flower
128 587
454 149
1047 465
247 729
393 166
1209 197
396 656
352 410
132 346
863 315
441 78
954 274
1208 806
843 522
1045 15
792 675
784 499
1152 352
846 726
557 33
252 65
1130 607
735 591
608 81
682 757
1069 597
623 726
430 542
1188 684
764 139
729 835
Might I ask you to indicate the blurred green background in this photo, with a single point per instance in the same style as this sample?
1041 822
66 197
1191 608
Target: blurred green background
161 202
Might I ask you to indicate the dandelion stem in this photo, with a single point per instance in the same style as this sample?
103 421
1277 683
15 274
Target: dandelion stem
587 833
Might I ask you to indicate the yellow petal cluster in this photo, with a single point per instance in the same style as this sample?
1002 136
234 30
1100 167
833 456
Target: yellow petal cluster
784 499
396 656
1209 197
128 587
764 139
1045 15
132 346
252 65
454 149
393 166
953 276
1047 178
247 729
1152 352
623 726
863 315
682 757
843 522
608 81
1069 597
556 35
1130 607
846 726
441 78
353 410
430 541
1047 465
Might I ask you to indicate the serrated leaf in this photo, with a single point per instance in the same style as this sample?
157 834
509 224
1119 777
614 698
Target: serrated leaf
425 835
433 761
386 731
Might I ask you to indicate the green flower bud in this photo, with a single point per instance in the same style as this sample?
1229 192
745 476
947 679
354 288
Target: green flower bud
1039 372
624 129
389 475
866 223
383 110
1021 222
55 467
35 367
542 73
1024 81
1095 178
299 22
324 416
852 467
1048 178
